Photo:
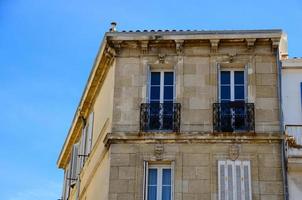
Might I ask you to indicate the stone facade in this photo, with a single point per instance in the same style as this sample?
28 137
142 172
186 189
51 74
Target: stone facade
115 170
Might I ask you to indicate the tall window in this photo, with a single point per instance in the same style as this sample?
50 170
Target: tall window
158 182
232 99
161 100
234 180
232 86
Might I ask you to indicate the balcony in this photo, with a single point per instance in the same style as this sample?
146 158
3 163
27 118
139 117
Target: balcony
233 116
160 117
294 140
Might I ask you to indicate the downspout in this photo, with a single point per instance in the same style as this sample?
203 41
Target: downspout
283 143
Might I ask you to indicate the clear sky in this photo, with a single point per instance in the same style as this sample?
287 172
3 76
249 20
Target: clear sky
47 48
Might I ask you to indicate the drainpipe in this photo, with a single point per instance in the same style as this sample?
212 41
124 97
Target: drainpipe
283 143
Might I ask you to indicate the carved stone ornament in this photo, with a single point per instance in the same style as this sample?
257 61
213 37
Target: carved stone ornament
179 46
161 58
158 151
214 45
234 151
144 47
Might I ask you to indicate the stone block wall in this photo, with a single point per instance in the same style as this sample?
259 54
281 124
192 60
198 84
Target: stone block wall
195 169
196 84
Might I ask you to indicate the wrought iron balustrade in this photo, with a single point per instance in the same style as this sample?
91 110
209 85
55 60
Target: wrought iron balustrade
233 116
160 116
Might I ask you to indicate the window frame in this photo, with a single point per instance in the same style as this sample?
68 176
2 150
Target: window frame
232 82
162 85
159 181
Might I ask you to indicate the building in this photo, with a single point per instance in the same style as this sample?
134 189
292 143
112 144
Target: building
292 114
179 115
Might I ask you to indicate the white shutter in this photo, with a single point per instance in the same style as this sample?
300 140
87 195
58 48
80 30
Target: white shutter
78 189
64 186
145 181
82 154
221 180
89 134
67 184
74 162
234 180
247 180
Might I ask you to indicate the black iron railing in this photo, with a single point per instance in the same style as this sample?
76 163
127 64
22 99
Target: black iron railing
160 116
233 116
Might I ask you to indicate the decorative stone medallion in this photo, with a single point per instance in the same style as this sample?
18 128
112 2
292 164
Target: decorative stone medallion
158 151
234 151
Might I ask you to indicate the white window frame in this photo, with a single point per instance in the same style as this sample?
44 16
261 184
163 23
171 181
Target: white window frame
159 168
242 164
162 73
232 82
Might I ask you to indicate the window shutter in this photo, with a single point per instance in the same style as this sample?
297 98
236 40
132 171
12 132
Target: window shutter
89 134
66 186
78 189
230 180
246 180
74 162
83 147
221 180
145 181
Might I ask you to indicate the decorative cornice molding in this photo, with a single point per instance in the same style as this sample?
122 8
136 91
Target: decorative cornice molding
179 46
144 45
214 45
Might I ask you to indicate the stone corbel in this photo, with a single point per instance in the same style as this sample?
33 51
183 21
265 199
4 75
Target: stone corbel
214 45
250 42
110 53
117 46
179 44
144 45
158 151
275 42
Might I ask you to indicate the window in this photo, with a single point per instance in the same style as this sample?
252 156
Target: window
232 98
232 85
161 99
234 180
158 182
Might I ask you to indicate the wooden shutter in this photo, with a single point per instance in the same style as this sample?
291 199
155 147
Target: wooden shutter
148 84
221 180
74 162
82 147
66 186
145 181
246 171
89 134
234 180
172 179
78 189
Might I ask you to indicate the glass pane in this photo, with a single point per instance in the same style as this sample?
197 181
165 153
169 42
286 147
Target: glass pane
166 176
152 177
155 78
168 92
169 78
155 93
225 92
239 77
152 192
239 92
225 77
166 195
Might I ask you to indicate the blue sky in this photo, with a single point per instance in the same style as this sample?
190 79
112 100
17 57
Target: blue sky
47 48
